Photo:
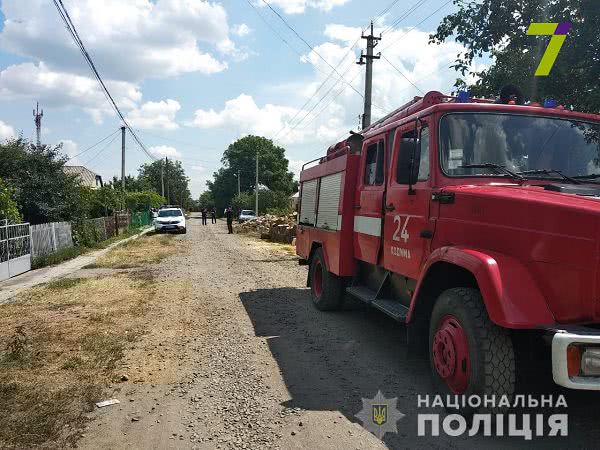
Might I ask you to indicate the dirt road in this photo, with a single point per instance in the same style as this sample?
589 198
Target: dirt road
237 357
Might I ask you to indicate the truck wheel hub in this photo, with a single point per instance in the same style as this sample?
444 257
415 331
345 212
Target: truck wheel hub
451 354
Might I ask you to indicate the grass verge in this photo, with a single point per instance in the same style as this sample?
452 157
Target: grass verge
148 249
66 254
59 347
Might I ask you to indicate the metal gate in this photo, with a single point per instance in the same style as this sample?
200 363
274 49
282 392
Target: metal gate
15 249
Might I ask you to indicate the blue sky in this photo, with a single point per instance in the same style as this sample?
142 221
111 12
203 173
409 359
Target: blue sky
193 76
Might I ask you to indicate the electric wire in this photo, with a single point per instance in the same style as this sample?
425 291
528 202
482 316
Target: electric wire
93 146
78 41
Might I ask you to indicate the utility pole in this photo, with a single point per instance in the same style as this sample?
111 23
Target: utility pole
123 158
37 114
168 186
162 178
256 203
367 59
239 184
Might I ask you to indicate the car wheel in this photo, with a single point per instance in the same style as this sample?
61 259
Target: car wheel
326 288
469 355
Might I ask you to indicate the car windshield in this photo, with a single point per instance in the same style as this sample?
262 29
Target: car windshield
519 143
169 213
247 212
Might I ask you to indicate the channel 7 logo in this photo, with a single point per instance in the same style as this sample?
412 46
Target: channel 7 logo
559 32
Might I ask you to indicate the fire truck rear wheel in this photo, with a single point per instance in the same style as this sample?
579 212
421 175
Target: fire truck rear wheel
326 288
469 355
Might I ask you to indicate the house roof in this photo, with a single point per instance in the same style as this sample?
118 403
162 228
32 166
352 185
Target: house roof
85 175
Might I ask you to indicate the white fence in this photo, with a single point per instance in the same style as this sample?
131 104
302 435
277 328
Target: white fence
48 238
15 249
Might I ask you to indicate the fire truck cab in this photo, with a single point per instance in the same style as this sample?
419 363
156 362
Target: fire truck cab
468 220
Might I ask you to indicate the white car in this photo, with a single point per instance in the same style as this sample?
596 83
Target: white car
170 219
245 215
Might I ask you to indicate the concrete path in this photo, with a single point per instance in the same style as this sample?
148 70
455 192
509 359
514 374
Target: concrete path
13 286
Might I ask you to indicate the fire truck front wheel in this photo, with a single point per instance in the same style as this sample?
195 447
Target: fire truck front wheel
469 355
326 288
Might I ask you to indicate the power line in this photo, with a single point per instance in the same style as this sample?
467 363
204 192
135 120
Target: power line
102 150
310 46
404 76
75 35
413 28
92 146
385 10
404 16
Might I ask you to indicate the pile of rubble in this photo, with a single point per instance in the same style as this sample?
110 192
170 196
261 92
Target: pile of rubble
269 226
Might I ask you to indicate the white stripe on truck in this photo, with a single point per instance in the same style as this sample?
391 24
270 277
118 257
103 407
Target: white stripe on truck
368 225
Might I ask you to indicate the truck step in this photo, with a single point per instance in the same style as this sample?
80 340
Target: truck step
362 293
392 308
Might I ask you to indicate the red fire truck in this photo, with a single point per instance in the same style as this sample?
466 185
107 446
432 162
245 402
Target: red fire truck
472 221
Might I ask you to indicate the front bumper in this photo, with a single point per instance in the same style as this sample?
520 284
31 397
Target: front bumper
584 338
168 227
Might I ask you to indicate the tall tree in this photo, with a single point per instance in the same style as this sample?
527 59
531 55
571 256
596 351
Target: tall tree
499 28
176 181
240 159
43 191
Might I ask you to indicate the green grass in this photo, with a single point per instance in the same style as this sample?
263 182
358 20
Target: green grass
63 283
58 257
66 254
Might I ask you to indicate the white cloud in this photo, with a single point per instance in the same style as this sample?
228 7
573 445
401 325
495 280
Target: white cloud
299 6
322 124
6 131
129 40
155 115
245 116
198 168
60 89
70 148
160 151
296 167
241 30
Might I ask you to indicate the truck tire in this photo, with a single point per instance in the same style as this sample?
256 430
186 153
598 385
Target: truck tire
326 288
469 355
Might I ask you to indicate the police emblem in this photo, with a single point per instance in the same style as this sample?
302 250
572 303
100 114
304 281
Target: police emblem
379 415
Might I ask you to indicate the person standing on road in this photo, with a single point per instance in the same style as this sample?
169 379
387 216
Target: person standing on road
229 216
213 215
204 214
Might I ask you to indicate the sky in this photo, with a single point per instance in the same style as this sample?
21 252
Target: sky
192 76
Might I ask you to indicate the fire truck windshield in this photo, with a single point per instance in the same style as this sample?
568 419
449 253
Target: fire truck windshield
520 143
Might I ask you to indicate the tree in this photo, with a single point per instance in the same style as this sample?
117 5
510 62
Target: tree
207 200
176 181
143 201
43 192
270 202
499 28
132 184
8 206
240 158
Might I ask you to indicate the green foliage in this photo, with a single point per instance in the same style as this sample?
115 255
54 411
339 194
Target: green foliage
175 180
144 201
8 206
240 158
43 191
268 202
207 200
499 28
